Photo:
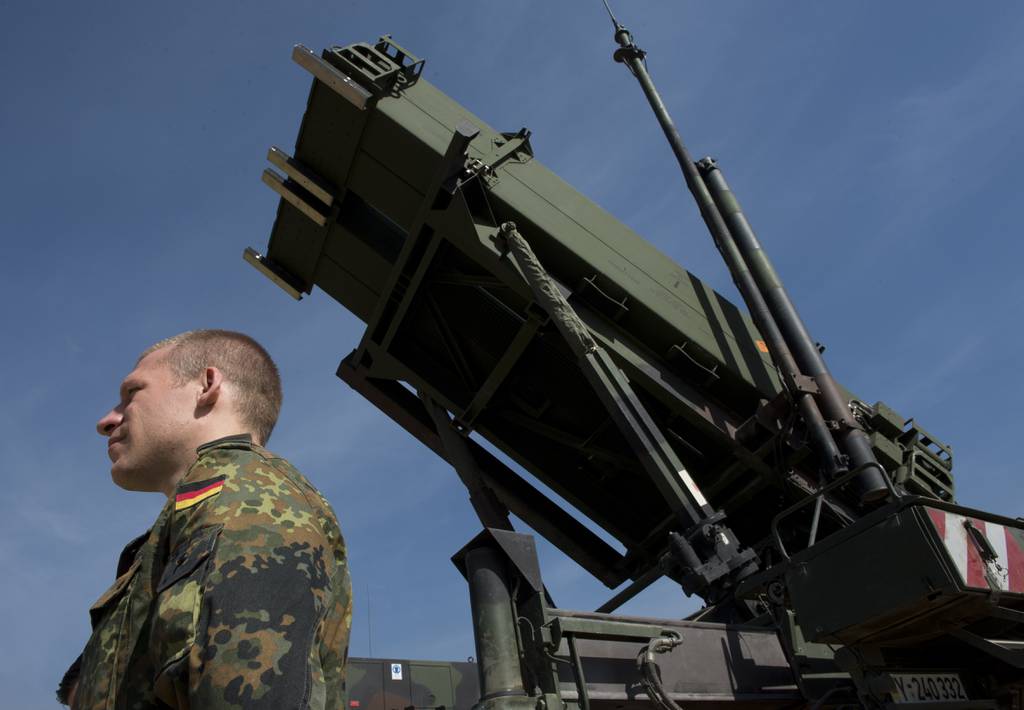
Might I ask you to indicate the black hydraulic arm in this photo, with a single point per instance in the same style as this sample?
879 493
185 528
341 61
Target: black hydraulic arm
773 313
852 439
708 552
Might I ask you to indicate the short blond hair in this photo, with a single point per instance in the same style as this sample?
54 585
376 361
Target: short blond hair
243 362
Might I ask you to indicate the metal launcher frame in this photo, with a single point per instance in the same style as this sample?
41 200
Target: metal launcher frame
502 306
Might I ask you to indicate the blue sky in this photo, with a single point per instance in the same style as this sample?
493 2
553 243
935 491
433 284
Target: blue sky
875 146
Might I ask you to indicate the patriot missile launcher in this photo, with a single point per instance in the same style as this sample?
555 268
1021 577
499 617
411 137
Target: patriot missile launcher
503 306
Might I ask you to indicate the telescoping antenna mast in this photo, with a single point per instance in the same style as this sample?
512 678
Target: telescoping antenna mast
804 373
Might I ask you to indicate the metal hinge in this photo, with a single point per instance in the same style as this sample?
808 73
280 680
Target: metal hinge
508 146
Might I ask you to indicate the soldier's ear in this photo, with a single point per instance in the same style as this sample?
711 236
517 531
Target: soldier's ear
212 381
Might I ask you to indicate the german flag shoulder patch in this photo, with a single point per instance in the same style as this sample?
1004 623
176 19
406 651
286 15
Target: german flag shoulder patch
191 493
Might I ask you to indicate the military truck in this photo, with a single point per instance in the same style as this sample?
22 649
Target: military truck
820 530
400 684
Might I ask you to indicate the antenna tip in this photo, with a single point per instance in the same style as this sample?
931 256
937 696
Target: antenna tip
612 16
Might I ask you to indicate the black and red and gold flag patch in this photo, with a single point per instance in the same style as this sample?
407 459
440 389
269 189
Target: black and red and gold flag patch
191 493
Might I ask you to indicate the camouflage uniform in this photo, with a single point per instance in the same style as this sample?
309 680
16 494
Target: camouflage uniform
238 597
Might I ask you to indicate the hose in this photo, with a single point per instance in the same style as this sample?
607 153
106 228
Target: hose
650 673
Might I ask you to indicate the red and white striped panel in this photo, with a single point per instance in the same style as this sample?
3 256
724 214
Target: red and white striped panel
1007 570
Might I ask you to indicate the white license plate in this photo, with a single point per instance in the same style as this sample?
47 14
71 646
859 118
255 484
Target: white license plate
928 687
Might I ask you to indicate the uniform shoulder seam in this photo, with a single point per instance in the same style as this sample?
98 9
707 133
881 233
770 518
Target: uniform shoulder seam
275 462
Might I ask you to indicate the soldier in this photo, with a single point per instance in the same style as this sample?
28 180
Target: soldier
239 595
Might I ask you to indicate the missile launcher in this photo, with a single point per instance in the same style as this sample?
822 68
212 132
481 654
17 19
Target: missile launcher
503 307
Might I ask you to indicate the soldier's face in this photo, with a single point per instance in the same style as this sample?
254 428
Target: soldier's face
149 429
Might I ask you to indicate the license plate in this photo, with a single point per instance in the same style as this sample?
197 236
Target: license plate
928 687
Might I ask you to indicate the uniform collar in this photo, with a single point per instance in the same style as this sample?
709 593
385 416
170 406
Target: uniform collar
235 441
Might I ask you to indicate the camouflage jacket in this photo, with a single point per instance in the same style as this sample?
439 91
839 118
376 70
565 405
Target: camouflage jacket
238 597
